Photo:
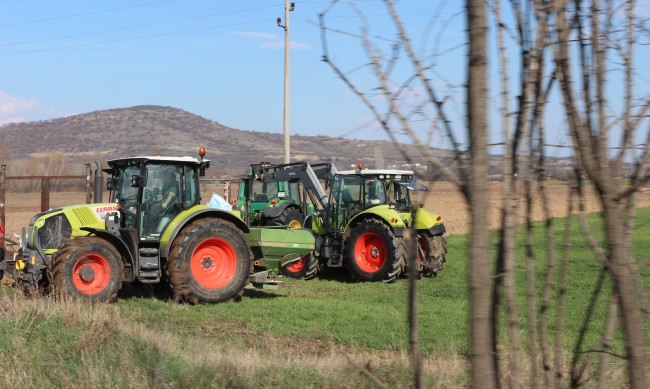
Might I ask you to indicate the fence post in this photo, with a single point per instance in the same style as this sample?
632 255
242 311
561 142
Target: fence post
3 172
226 190
89 194
45 193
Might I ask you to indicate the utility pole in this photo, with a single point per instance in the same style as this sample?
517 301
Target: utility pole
287 138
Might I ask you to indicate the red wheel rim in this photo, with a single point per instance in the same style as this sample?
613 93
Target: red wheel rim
91 274
370 252
298 266
213 263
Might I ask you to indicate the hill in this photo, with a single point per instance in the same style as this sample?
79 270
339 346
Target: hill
148 129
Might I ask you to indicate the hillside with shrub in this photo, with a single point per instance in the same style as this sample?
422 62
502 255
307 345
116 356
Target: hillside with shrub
148 130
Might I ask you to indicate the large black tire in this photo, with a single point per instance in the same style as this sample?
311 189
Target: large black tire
209 262
291 217
431 254
305 269
373 253
87 269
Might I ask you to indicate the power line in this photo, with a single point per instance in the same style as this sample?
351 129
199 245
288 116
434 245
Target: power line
139 26
84 13
135 38
164 33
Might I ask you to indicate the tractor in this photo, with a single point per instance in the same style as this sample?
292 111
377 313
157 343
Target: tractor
273 203
361 223
154 230
269 203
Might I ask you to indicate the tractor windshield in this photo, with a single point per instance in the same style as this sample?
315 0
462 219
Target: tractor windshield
161 198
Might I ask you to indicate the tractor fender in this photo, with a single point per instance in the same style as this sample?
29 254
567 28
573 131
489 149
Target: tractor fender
437 230
383 213
192 214
425 220
121 246
273 212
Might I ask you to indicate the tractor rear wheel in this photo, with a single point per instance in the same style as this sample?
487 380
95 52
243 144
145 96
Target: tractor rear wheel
209 262
306 268
291 217
87 269
431 254
373 253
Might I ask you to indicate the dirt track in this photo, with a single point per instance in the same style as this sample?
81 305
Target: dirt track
445 200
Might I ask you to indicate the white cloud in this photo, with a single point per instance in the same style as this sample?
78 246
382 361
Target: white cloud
13 108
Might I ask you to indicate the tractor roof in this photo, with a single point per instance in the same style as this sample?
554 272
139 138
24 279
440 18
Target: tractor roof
154 158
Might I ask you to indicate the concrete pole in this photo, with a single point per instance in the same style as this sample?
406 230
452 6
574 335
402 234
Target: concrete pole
287 138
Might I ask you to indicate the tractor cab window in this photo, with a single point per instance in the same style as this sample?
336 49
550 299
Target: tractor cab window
346 191
375 193
263 191
126 195
345 200
190 193
398 195
161 199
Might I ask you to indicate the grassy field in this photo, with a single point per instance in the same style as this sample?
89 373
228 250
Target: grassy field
326 333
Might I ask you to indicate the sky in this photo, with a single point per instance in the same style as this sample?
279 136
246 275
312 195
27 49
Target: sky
224 61
217 59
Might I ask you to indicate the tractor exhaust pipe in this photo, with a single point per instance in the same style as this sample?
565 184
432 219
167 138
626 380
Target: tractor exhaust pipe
99 183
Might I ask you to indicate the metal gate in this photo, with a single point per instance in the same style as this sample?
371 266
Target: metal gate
27 195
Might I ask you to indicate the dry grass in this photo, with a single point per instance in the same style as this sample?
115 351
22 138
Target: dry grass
101 334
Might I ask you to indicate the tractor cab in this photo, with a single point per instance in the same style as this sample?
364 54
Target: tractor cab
151 191
358 190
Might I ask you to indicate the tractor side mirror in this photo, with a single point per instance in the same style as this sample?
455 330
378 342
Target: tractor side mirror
110 184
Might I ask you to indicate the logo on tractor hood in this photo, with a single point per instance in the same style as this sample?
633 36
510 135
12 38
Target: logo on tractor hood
100 212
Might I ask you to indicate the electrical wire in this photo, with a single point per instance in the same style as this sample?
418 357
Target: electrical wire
84 14
139 26
135 38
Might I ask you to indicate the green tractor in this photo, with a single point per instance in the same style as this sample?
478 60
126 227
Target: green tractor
361 223
153 230
270 203
274 203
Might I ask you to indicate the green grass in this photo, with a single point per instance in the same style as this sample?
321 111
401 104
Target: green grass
306 334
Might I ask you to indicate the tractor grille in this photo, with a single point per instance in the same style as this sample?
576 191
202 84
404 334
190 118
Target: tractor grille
85 216
54 231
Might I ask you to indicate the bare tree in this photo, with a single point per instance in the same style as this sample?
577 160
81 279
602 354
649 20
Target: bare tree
540 35
597 34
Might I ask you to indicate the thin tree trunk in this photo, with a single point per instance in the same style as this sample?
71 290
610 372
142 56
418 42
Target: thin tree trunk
483 360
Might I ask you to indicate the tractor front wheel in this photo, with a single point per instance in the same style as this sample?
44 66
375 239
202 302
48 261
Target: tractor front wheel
209 262
373 253
87 269
291 217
